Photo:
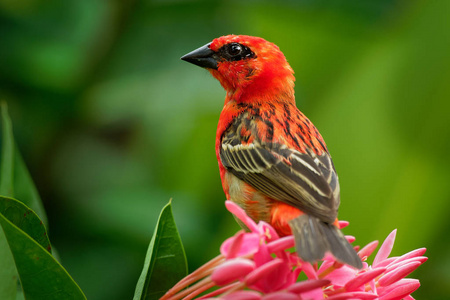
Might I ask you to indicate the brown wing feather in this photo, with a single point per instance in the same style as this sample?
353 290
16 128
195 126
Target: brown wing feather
304 180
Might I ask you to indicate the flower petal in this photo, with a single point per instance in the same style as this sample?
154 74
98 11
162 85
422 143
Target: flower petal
249 245
341 276
268 231
400 292
396 265
343 224
279 277
353 295
241 215
368 250
263 271
242 295
281 296
262 256
316 294
401 261
414 253
281 244
399 273
231 270
350 238
309 270
363 278
235 245
328 261
385 249
386 262
308 285
400 289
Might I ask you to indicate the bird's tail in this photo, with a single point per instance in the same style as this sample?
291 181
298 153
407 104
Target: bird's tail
313 238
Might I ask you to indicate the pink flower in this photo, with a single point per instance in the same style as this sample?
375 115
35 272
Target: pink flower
260 265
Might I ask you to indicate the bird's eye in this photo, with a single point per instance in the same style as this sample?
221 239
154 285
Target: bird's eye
236 51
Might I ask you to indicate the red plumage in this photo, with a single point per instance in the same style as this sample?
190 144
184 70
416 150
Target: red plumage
273 162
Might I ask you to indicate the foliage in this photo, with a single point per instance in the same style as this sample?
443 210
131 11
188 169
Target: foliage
24 242
26 248
165 262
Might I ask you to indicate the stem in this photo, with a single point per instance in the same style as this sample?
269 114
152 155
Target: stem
199 291
201 272
330 269
327 271
206 268
237 287
220 291
334 292
191 289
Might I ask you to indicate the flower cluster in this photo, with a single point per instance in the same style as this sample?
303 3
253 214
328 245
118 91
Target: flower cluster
260 265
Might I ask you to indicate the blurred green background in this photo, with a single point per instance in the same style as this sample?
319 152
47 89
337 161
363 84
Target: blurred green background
112 124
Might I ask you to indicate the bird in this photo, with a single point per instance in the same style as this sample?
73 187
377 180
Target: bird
273 162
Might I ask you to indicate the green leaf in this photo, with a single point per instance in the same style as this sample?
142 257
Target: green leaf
6 168
25 219
165 263
15 180
41 276
8 273
20 295
24 188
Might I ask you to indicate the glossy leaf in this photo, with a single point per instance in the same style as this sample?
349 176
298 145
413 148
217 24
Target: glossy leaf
165 262
15 180
8 273
7 154
25 219
41 276
24 188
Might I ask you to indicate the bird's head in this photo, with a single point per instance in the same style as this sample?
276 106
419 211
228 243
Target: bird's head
249 68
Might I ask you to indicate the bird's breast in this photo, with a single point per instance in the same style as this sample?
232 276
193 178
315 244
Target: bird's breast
260 207
256 205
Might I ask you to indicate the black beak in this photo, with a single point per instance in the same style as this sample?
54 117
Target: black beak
203 57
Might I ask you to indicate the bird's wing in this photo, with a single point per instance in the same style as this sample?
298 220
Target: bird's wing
304 180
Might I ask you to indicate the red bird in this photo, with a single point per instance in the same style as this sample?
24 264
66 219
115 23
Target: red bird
273 161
